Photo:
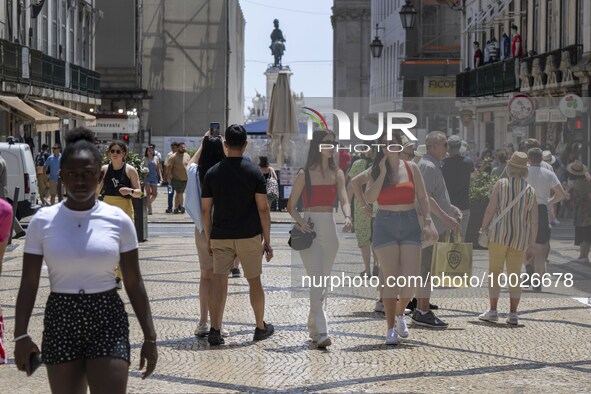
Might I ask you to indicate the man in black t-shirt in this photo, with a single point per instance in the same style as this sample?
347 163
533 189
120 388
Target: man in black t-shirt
236 191
457 171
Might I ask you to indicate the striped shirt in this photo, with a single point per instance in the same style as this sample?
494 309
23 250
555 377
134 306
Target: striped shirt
513 229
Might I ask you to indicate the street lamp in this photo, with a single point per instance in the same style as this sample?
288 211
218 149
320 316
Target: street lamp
376 47
408 15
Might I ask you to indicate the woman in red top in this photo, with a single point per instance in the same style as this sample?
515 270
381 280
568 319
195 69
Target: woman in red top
326 182
397 185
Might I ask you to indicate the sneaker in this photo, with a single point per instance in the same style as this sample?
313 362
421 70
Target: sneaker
169 210
20 234
392 337
583 260
215 337
119 283
428 320
489 316
412 304
202 330
407 311
150 211
176 211
555 222
512 319
323 342
259 334
181 209
433 307
400 327
379 307
225 333
235 273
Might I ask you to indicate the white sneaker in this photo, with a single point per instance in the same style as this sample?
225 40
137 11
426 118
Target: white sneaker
400 327
407 311
202 330
225 333
323 341
512 319
379 307
581 260
392 337
490 316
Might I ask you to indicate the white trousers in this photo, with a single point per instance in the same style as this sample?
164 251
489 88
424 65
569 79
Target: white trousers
318 260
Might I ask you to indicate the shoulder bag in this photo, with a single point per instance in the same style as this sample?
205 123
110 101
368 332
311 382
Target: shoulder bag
483 236
300 240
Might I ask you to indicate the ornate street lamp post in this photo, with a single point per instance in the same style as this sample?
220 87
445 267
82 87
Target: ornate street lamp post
408 15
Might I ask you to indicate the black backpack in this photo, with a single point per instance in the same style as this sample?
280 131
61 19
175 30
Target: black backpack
40 159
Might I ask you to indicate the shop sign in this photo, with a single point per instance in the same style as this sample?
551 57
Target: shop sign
521 108
439 87
570 105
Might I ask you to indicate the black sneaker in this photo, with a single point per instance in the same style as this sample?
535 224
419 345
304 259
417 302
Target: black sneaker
412 305
20 234
428 320
259 334
215 337
169 210
235 273
182 209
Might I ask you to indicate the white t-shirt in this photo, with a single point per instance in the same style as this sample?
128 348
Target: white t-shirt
81 248
542 180
547 166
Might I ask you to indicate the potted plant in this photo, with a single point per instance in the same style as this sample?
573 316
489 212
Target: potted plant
480 188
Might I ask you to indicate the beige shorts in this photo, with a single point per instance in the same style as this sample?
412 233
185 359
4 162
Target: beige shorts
52 188
205 260
248 250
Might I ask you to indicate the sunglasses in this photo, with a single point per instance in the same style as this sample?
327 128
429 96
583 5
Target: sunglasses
115 151
54 148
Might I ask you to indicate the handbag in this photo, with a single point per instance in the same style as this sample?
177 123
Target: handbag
452 261
272 188
298 239
483 236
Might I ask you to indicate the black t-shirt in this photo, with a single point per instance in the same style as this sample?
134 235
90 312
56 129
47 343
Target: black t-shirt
456 171
233 183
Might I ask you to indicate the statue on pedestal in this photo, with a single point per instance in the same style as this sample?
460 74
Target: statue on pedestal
277 44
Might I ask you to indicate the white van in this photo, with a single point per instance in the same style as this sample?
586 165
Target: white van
20 170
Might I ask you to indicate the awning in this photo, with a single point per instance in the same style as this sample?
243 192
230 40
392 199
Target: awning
87 119
41 122
432 68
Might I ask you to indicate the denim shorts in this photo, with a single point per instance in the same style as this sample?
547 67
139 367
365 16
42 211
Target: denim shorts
392 228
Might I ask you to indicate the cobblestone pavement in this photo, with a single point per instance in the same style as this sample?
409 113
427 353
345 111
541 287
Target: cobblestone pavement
547 352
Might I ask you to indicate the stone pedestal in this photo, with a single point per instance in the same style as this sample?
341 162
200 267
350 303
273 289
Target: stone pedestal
272 74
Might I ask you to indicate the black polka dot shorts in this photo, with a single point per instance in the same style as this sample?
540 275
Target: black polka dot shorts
85 326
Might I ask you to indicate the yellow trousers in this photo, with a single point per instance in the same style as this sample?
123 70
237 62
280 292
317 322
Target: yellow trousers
498 255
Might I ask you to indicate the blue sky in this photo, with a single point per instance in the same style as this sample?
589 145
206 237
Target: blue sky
307 29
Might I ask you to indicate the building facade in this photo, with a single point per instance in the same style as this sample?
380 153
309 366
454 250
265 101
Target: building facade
552 64
416 70
47 67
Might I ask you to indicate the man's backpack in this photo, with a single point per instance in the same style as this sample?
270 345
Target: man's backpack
40 159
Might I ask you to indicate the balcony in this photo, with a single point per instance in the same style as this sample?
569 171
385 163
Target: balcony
488 80
548 71
45 71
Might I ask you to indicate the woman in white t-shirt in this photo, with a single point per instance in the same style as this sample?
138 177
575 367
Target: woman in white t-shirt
86 331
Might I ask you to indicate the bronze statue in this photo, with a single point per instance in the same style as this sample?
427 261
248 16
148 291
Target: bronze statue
277 44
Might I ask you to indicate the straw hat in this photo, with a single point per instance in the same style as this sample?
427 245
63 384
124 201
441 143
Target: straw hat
421 150
406 141
548 157
518 160
577 168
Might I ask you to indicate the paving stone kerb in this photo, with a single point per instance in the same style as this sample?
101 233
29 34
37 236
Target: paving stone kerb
546 352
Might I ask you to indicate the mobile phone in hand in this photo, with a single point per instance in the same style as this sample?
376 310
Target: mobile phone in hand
34 362
214 128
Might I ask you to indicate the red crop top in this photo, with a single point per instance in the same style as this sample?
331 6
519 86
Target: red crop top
400 193
321 196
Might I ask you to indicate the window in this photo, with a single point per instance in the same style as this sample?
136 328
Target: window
550 31
44 31
71 42
536 27
63 32
54 28
523 30
579 25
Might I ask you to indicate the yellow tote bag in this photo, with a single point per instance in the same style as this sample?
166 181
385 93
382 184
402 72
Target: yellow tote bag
452 261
